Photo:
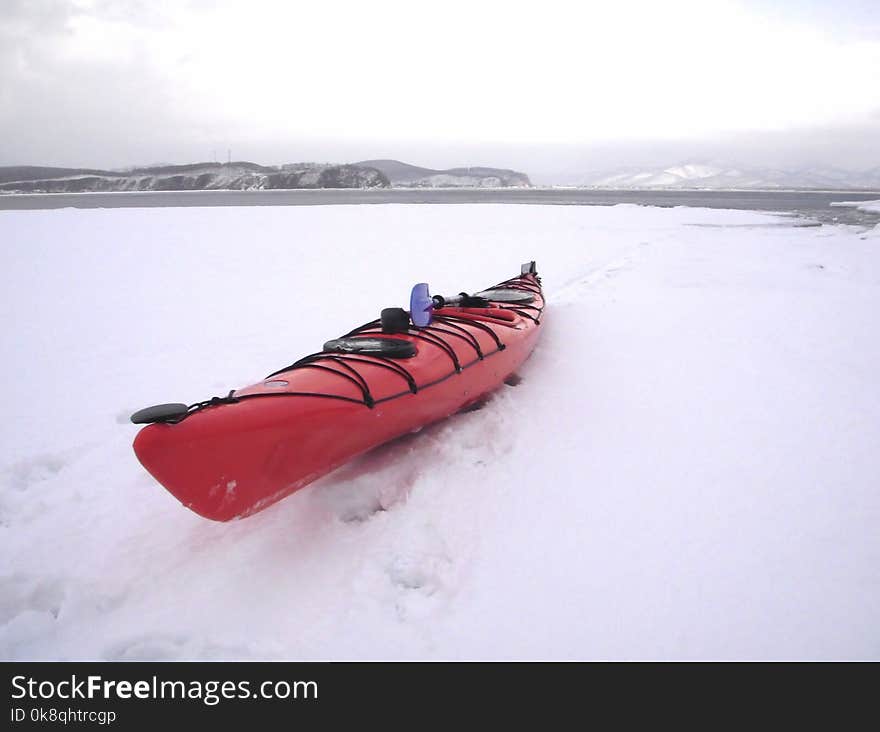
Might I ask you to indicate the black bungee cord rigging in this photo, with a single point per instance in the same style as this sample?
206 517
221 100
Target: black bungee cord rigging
357 347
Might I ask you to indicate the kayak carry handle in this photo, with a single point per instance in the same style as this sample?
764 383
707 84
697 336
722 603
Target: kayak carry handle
160 413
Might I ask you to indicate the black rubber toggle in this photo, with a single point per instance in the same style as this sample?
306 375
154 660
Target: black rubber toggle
160 413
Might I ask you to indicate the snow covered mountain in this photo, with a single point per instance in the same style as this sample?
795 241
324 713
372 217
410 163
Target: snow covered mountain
240 176
719 176
250 176
413 176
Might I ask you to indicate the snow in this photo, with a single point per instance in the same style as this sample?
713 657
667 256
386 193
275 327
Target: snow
688 469
872 206
712 177
685 175
692 171
447 180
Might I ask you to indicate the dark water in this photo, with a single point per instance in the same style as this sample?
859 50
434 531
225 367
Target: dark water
812 204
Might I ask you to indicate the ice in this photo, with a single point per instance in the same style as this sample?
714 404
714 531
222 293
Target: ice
872 206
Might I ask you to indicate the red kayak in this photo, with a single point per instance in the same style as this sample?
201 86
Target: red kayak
232 456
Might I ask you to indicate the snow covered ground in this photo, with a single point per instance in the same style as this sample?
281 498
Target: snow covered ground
690 467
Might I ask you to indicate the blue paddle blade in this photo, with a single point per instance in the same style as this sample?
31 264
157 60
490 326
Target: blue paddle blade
421 305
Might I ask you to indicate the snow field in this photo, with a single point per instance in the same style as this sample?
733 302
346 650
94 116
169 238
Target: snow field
688 469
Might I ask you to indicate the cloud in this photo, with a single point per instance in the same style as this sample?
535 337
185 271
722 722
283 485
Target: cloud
80 84
104 82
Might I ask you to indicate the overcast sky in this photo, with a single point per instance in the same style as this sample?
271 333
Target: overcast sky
546 86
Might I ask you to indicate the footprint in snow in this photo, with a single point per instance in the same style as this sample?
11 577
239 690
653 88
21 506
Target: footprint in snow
29 610
419 572
20 593
171 647
421 575
24 481
420 559
29 472
372 483
574 290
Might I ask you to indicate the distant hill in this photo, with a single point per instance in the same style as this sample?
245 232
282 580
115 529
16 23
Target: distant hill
716 176
244 175
190 177
396 171
37 172
404 174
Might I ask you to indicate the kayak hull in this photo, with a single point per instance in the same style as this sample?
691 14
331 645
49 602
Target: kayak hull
233 459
